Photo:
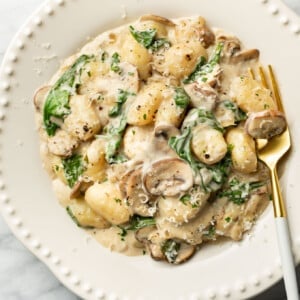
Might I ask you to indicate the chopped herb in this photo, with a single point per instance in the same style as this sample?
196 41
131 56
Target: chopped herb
115 60
185 199
121 99
270 197
89 73
266 106
239 115
57 102
130 73
181 98
119 201
238 192
133 132
73 168
144 252
144 116
230 147
203 68
228 219
159 43
138 222
104 56
170 249
211 232
147 39
123 233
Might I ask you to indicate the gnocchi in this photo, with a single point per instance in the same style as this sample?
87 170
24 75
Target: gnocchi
149 136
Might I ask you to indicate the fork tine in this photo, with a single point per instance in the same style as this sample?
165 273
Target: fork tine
251 73
275 89
262 77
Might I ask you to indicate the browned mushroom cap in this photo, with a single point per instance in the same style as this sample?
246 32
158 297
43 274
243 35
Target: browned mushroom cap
166 131
132 189
142 234
265 124
40 96
202 95
79 188
231 45
182 253
168 177
245 56
157 19
207 37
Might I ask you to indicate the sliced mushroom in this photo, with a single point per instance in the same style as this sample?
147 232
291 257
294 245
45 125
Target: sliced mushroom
265 124
245 56
168 177
231 45
207 37
142 234
139 201
40 97
158 19
155 251
62 143
186 251
202 95
166 131
79 188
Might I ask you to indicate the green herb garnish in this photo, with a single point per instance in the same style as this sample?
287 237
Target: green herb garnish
238 192
115 60
239 115
57 102
181 98
170 249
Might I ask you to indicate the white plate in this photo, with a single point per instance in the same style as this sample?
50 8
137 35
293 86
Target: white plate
55 31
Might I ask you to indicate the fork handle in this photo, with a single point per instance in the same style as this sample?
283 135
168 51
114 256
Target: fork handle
287 260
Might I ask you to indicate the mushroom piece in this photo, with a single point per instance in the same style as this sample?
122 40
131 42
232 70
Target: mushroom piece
132 189
231 45
142 234
62 143
157 19
79 188
202 95
265 124
174 252
168 177
245 56
40 97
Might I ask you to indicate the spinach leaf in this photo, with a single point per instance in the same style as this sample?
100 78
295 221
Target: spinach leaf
170 249
181 98
159 43
238 192
239 115
115 135
57 101
203 68
147 39
138 222
73 168
182 146
115 60
121 99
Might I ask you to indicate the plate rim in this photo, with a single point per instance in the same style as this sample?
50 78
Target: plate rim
276 8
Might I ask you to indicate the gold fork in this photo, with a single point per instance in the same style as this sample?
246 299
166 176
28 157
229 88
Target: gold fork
270 154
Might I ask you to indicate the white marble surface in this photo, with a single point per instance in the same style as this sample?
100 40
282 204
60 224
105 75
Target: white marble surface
22 275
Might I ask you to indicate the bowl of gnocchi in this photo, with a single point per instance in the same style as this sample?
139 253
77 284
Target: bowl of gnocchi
146 152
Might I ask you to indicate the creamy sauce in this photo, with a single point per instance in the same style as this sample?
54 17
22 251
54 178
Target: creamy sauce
142 83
